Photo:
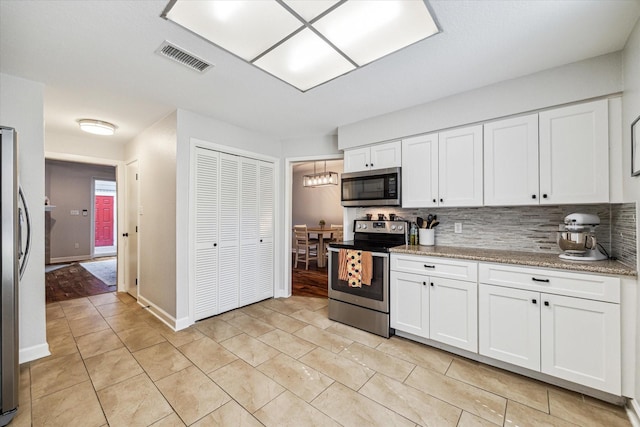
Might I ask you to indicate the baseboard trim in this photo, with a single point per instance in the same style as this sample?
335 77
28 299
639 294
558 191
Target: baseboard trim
34 352
633 412
69 259
162 315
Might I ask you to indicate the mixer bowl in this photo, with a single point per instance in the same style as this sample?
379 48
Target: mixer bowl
576 242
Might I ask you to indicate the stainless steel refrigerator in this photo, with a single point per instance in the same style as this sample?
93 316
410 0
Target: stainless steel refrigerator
16 238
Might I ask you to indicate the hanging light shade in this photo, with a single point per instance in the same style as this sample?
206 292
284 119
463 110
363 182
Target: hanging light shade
320 179
97 127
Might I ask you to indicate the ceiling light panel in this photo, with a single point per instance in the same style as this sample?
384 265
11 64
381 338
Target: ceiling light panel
310 9
244 28
366 30
304 61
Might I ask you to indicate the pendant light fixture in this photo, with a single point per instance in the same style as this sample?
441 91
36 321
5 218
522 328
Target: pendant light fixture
320 179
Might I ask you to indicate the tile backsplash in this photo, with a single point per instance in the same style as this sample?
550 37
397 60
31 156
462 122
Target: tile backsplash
525 228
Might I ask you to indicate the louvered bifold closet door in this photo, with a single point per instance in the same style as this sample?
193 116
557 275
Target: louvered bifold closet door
206 233
267 204
229 231
249 225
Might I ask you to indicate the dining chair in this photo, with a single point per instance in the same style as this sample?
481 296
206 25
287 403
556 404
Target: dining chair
304 246
337 235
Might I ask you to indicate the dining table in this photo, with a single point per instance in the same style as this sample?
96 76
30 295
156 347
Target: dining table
321 232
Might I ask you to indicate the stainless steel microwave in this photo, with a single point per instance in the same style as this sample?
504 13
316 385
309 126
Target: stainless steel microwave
371 188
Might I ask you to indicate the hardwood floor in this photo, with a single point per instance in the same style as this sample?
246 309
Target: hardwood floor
73 282
313 282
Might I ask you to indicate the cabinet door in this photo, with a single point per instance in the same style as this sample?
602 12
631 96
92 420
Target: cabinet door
207 165
460 167
574 154
229 218
387 155
420 171
511 162
249 231
409 297
509 325
453 313
357 159
581 341
266 210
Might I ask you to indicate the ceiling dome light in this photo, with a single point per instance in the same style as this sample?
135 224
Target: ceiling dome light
97 127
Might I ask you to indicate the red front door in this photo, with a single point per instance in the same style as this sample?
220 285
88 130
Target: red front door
104 220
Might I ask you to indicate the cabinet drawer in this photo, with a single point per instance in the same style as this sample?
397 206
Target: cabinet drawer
600 288
436 267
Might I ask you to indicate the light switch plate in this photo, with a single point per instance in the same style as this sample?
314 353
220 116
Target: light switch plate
457 227
75 212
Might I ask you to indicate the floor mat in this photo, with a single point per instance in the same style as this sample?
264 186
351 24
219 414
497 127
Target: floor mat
103 270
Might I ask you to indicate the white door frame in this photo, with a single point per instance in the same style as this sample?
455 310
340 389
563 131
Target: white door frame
120 185
288 207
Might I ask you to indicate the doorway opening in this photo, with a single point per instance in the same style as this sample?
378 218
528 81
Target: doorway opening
80 230
319 209
105 220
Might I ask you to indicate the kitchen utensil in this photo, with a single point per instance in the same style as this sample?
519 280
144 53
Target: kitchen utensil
420 222
433 224
577 238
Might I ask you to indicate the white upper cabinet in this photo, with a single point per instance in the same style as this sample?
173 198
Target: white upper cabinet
378 156
460 167
420 171
574 154
511 162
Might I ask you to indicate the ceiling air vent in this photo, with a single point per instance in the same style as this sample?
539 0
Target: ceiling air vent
177 54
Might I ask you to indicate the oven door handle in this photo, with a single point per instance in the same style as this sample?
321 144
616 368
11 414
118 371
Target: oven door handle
375 254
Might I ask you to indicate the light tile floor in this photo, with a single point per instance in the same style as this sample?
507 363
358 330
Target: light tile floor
279 362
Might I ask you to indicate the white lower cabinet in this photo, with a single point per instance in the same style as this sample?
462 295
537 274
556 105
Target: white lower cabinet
533 325
409 296
433 307
509 325
580 341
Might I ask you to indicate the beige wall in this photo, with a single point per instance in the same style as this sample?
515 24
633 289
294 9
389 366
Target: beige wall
87 145
631 111
155 150
309 204
21 107
69 187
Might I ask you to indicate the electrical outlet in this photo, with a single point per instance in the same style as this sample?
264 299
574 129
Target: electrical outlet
77 245
457 227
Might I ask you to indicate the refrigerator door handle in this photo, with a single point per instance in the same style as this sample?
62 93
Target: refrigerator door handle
24 256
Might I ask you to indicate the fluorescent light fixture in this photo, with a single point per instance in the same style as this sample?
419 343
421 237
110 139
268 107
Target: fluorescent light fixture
97 127
306 42
321 179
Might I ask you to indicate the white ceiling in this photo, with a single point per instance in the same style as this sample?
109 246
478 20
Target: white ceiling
97 60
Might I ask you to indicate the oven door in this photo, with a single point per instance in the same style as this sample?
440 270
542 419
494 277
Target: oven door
375 296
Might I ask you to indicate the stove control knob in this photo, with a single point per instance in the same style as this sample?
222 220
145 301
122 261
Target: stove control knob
358 226
400 228
364 226
393 227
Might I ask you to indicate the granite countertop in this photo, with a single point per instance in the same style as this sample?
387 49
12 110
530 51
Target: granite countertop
531 259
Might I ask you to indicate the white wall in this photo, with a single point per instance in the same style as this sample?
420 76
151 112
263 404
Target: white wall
574 82
191 125
90 146
21 107
155 150
631 193
310 146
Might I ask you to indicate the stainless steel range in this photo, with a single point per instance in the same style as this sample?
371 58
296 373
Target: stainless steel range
365 307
